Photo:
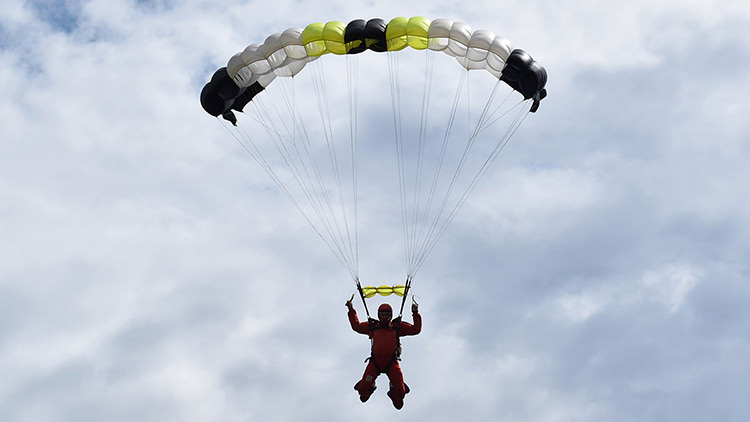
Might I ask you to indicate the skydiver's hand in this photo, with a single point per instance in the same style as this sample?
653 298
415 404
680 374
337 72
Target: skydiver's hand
414 307
349 303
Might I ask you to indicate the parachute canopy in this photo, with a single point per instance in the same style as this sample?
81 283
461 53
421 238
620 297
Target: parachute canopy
316 142
285 54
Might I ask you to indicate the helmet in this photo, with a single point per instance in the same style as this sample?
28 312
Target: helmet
385 308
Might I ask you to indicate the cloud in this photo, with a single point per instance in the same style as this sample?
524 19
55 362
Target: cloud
152 271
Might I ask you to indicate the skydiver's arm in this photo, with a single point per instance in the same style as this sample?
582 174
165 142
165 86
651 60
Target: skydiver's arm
360 327
407 329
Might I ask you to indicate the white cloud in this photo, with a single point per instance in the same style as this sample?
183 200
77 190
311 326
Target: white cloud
533 203
667 286
670 285
150 270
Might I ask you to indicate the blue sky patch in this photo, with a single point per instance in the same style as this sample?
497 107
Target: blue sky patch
63 16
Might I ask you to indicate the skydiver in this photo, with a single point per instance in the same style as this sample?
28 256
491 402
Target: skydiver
384 335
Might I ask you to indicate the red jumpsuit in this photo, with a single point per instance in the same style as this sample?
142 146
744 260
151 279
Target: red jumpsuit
384 344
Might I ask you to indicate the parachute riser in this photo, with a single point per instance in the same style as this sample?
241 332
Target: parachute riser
403 298
362 295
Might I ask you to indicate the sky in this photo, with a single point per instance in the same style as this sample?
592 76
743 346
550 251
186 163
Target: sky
152 271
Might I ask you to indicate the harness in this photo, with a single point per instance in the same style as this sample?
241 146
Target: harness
376 325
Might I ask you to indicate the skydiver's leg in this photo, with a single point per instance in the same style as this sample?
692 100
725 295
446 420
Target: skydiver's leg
398 388
366 385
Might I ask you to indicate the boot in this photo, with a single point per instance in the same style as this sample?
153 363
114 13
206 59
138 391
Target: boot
397 403
364 397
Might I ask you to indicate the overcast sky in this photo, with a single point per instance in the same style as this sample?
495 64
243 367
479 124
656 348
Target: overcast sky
151 271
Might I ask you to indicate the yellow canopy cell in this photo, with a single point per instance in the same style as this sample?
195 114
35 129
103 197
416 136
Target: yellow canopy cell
395 34
333 35
312 39
417 30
